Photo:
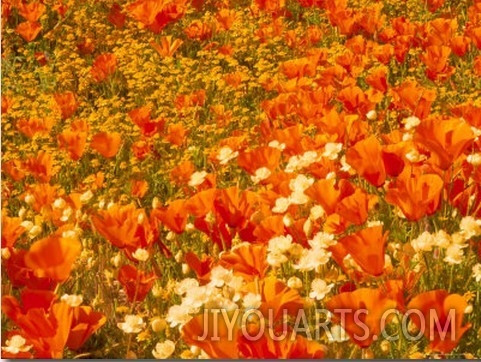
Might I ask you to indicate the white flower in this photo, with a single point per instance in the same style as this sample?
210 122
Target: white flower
298 198
311 259
316 212
226 154
454 254
16 344
345 166
261 174
474 159
331 150
411 122
294 283
196 296
164 350
252 301
282 203
477 272
319 289
322 240
59 203
220 276
414 156
423 242
132 324
280 244
34 231
72 300
185 285
300 183
178 315
141 254
276 144
276 259
371 115
470 227
197 178
442 239
86 196
338 334
26 224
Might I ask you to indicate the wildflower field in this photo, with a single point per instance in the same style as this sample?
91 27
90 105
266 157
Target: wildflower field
241 179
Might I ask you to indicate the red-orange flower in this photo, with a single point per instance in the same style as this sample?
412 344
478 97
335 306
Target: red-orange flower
137 284
360 313
441 319
103 66
53 257
107 144
29 30
415 194
85 321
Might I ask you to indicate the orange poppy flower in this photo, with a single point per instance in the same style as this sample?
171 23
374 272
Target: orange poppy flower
19 275
40 166
367 247
210 332
14 168
67 103
441 320
290 346
265 156
434 5
124 226
31 127
415 194
447 139
103 66
354 208
137 284
106 143
44 322
269 227
145 11
247 261
73 142
409 95
181 173
116 17
176 134
436 61
226 18
460 45
360 312
139 188
167 47
276 298
201 203
199 30
31 11
201 267
366 158
28 30
235 206
377 79
328 194
173 216
44 195
85 322
11 230
53 257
